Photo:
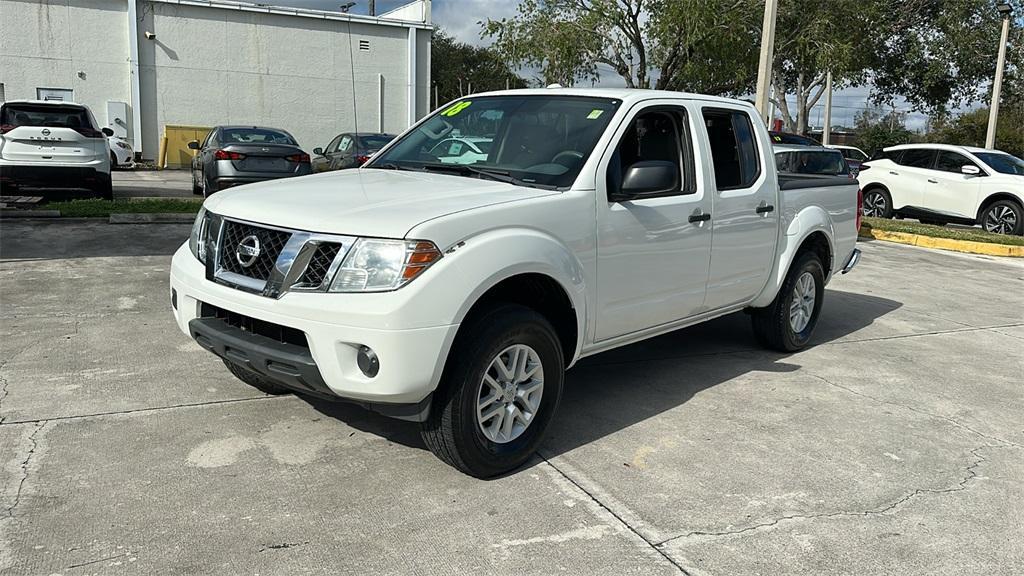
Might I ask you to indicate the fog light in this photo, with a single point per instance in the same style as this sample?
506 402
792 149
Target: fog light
367 361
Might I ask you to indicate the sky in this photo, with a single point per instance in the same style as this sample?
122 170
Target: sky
461 18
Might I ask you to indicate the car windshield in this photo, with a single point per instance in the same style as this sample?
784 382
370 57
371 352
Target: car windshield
532 140
1002 162
822 162
255 136
51 115
376 141
786 138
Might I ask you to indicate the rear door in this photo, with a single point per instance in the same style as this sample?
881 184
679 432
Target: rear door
906 181
745 210
49 133
950 191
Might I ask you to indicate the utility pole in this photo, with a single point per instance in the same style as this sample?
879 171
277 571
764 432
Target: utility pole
997 86
826 129
373 7
764 66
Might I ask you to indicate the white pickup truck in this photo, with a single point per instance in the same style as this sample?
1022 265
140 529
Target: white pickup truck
456 294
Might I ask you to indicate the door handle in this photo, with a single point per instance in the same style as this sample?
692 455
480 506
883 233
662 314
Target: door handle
894 173
764 208
933 181
701 217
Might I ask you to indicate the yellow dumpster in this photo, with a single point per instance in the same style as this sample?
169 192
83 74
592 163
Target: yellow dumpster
176 139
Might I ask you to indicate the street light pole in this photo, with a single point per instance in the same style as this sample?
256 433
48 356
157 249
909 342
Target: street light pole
997 86
764 66
826 130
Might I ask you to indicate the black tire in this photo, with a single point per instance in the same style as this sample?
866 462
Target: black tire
113 161
877 203
257 381
196 189
104 187
1003 217
772 325
452 432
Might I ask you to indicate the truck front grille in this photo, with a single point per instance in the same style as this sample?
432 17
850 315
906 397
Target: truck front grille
237 236
319 264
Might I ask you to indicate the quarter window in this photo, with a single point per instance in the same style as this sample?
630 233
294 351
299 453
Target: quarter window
733 150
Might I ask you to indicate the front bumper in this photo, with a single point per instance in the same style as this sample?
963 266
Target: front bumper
411 359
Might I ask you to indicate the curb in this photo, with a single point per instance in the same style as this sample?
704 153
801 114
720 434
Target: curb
967 246
29 214
153 218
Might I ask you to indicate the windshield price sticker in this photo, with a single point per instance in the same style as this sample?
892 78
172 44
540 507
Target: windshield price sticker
456 108
595 114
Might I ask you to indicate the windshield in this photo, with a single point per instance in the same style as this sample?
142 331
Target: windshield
255 136
1001 162
51 115
536 140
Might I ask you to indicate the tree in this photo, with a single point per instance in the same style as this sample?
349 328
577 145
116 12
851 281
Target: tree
877 128
970 129
706 46
456 66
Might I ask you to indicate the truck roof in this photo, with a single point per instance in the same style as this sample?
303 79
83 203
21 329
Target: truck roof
627 95
45 102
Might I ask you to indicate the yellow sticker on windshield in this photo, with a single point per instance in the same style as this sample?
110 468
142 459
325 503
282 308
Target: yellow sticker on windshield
595 114
456 108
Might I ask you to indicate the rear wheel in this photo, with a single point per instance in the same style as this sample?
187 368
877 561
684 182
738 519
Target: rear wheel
788 322
103 187
877 203
257 381
1003 217
499 391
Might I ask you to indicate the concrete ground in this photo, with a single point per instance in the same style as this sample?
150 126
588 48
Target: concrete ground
895 445
152 183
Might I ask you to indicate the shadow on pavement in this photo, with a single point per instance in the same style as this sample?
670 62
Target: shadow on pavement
617 389
40 240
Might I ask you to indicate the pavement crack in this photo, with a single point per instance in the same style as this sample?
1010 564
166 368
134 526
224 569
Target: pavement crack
282 546
97 561
24 470
970 473
617 517
142 410
952 421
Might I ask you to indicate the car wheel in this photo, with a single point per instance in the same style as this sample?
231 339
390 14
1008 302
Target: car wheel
113 161
104 187
257 381
788 322
196 189
877 203
1003 217
499 391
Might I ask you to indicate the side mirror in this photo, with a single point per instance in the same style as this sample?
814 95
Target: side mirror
107 131
318 151
193 145
970 170
647 177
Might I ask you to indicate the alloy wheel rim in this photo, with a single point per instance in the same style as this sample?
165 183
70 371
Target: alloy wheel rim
1000 220
802 306
874 205
510 393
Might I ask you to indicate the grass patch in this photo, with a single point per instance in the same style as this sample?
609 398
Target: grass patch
95 208
953 232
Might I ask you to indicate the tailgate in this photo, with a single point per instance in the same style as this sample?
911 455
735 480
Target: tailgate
45 144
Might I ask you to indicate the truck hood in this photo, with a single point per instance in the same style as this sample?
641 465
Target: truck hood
365 202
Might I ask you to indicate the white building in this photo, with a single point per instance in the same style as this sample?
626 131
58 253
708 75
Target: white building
209 62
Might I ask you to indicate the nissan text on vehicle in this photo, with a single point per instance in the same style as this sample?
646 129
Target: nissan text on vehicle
457 294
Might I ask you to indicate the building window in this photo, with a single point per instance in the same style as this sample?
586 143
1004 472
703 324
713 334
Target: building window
364 45
55 94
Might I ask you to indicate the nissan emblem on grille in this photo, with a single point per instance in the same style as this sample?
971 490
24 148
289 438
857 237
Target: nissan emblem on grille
248 250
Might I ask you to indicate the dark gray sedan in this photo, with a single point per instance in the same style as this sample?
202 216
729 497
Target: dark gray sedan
233 155
350 150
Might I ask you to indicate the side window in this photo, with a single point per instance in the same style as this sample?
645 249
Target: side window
346 143
211 139
783 161
918 158
333 146
952 162
658 135
733 150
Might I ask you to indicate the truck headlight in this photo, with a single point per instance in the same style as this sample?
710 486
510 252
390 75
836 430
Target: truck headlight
197 239
375 265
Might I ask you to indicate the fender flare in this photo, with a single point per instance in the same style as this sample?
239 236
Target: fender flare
808 221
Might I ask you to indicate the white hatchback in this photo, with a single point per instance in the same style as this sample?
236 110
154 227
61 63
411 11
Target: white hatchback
940 183
53 145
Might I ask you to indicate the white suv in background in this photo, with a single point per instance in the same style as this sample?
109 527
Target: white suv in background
939 184
53 145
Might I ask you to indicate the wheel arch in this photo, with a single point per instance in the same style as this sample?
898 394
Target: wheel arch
812 229
996 197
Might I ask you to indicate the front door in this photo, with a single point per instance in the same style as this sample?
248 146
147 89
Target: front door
948 190
745 208
653 249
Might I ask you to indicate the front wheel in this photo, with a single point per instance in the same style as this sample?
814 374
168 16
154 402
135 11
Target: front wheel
498 393
877 203
787 323
1003 217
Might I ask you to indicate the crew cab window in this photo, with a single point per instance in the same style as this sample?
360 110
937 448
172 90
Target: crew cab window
952 162
733 150
654 135
918 158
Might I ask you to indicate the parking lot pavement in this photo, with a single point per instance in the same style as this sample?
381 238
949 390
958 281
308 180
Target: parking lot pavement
152 183
893 446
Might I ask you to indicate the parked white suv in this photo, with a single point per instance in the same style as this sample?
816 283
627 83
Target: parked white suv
53 145
939 184
456 295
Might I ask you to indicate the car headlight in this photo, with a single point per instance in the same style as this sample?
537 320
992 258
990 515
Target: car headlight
123 145
375 265
197 239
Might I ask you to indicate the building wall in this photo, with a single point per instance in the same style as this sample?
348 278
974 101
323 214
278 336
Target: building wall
213 65
47 44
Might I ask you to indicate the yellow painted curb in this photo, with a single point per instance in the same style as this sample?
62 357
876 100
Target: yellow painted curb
968 246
